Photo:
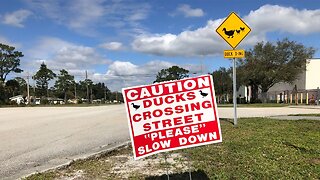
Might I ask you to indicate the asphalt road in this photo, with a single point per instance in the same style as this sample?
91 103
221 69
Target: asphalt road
37 138
34 139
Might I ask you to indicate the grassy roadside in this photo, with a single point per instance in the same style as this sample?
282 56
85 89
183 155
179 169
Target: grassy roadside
258 148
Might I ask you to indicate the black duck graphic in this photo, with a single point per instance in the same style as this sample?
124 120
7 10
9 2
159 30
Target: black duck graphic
203 94
135 106
228 33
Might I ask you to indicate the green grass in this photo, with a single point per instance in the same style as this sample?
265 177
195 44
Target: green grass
258 148
257 105
313 115
262 148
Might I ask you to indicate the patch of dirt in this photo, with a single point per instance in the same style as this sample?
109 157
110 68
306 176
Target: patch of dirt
73 176
315 161
120 164
125 165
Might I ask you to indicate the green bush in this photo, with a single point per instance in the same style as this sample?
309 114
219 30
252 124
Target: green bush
44 101
12 103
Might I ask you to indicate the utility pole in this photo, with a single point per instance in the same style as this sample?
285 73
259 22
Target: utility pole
34 88
75 90
117 96
105 94
91 95
28 90
87 87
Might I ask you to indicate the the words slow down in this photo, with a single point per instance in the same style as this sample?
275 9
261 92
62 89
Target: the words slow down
172 115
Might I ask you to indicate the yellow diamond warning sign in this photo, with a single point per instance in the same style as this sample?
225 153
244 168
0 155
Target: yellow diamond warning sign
233 53
233 30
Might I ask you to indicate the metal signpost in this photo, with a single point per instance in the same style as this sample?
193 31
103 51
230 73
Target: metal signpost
233 30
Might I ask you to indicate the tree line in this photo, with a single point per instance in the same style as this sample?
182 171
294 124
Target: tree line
65 87
264 65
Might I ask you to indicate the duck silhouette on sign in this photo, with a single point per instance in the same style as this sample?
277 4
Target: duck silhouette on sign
135 106
230 33
203 94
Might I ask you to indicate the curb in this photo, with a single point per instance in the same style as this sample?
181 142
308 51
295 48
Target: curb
306 107
86 157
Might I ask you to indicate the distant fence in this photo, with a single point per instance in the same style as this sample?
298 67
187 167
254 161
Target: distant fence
308 97
295 97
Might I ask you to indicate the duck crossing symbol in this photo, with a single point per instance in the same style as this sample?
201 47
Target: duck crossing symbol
233 30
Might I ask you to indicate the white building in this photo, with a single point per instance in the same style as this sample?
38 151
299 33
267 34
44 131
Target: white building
307 85
18 99
308 80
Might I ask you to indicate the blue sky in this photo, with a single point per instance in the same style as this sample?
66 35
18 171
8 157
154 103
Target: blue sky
125 43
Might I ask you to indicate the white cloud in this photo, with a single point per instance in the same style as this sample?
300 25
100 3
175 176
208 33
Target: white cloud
126 68
114 46
187 11
85 12
202 41
16 18
122 74
76 59
270 18
84 16
139 15
46 47
205 41
59 54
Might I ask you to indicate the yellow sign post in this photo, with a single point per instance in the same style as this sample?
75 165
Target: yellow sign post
233 30
234 53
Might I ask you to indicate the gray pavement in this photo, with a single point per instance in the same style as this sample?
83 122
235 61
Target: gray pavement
37 138
267 112
34 139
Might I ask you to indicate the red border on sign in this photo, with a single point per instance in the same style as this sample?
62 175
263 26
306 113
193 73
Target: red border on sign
214 121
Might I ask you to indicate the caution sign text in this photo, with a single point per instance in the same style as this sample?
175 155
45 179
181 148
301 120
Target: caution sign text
172 115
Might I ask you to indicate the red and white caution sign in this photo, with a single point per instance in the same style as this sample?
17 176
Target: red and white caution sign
172 115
